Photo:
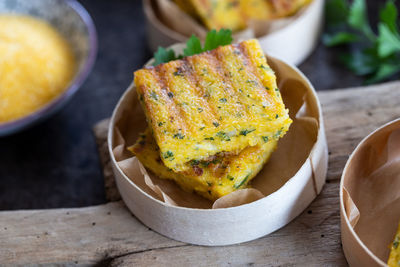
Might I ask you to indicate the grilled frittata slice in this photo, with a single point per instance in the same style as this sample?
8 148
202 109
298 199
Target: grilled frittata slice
234 14
212 179
215 14
394 258
257 9
284 8
222 100
270 9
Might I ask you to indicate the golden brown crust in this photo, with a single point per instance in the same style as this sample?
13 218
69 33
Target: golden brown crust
218 101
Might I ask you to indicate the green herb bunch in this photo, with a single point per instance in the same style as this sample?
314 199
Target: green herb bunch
375 56
193 46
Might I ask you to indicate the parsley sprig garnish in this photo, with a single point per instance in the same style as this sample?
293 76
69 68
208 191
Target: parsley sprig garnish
375 56
213 40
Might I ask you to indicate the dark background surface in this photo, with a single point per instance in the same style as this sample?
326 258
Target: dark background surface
56 164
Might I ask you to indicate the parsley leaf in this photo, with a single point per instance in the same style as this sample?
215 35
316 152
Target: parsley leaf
336 12
385 70
388 42
193 46
357 18
361 62
388 16
339 38
213 40
376 56
163 55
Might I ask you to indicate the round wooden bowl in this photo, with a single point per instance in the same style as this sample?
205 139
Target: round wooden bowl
293 43
225 226
369 203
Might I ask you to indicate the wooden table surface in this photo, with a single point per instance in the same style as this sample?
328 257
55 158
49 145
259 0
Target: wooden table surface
109 235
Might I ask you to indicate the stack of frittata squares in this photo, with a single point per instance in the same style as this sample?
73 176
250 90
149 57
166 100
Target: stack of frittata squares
213 118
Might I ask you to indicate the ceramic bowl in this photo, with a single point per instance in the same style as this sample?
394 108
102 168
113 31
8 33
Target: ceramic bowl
71 19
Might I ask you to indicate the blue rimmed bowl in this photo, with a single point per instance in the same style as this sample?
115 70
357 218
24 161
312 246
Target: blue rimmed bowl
72 20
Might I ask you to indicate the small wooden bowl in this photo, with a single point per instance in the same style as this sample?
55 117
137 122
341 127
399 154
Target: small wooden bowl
293 43
369 209
226 226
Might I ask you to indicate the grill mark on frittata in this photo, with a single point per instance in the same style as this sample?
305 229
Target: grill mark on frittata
265 74
209 113
175 113
252 69
150 106
222 74
234 75
210 83
196 79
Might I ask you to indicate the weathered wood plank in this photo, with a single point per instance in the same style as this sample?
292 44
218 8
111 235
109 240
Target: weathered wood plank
109 234
110 187
80 235
313 239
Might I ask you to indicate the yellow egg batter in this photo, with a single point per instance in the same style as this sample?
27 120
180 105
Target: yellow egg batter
36 65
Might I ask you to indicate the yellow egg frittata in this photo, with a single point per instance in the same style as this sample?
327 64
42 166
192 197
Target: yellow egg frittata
212 179
222 100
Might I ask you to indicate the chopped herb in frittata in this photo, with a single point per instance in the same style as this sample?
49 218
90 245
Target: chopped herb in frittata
168 154
223 136
178 135
246 131
241 183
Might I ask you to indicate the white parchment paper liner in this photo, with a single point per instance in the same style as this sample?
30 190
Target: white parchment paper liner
370 197
293 177
291 39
